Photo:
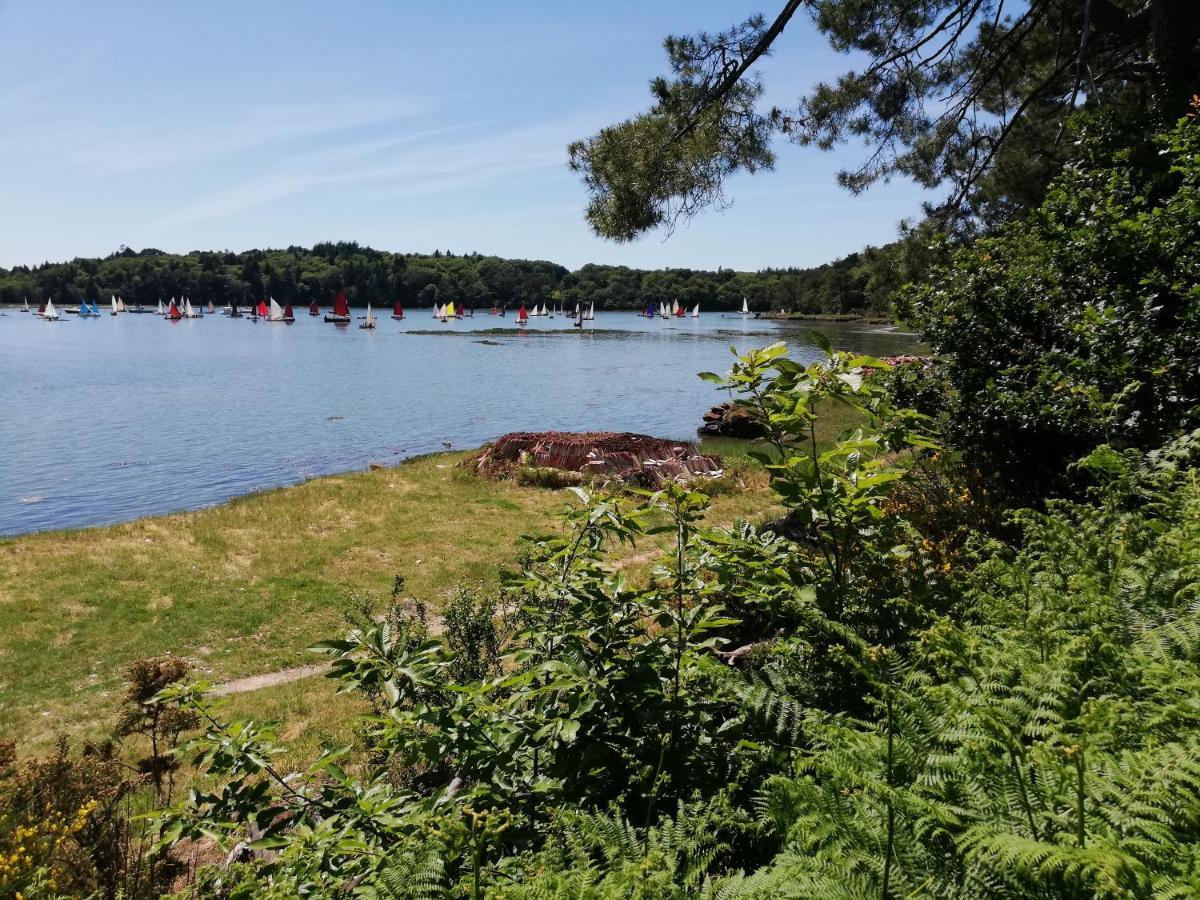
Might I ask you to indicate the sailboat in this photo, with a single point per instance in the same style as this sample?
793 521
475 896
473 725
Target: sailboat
745 307
86 312
679 311
590 315
448 310
578 323
398 311
212 310
121 305
26 309
263 311
173 312
234 312
370 322
648 312
42 308
275 313
341 310
161 311
50 314
522 317
188 311
113 301
288 316
314 309
696 311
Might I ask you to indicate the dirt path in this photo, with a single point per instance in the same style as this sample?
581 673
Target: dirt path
293 673
267 679
636 559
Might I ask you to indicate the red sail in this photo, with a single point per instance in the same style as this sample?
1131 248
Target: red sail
340 306
398 312
522 316
287 312
174 311
262 309
313 309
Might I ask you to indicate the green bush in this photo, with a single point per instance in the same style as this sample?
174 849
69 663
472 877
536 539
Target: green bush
1079 325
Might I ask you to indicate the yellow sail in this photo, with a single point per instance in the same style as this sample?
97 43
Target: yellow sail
450 309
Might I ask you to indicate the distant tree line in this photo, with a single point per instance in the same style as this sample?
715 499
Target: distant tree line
299 275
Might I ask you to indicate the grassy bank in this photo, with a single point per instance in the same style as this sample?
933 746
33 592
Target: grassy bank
244 587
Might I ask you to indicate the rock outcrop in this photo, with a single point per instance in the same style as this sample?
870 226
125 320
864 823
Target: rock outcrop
636 459
730 420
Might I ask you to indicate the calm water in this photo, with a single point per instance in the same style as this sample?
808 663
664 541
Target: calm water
104 420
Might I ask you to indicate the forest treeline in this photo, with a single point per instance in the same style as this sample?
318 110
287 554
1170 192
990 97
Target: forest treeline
299 275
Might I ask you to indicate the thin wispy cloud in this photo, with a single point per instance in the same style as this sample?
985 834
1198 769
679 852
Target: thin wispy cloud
430 167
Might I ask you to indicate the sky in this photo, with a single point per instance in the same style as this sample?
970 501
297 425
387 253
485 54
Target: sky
404 126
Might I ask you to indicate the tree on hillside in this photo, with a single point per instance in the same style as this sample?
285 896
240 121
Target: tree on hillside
973 95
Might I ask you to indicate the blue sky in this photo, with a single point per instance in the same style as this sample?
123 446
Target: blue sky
406 126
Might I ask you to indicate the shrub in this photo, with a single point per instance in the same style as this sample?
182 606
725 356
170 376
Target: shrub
1078 325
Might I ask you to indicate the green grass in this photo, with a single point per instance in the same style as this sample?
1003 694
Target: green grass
245 587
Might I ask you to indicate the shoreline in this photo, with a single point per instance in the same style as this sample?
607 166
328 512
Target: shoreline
243 587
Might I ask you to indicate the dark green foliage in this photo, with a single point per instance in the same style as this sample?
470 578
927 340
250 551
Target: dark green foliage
299 276
1077 326
974 94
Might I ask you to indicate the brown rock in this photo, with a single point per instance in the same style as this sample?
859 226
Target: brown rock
731 420
604 456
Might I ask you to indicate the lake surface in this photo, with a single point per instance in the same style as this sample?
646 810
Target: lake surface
105 420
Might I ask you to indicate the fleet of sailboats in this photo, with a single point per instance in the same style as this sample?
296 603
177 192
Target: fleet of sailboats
270 310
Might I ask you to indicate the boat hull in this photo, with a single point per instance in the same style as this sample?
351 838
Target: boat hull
338 320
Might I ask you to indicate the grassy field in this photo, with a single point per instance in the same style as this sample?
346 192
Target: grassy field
244 587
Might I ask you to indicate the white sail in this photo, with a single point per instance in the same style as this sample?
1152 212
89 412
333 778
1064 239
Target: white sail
370 322
674 307
188 312
745 307
276 314
696 311
120 305
51 312
211 308
161 311
591 313
115 309
26 304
